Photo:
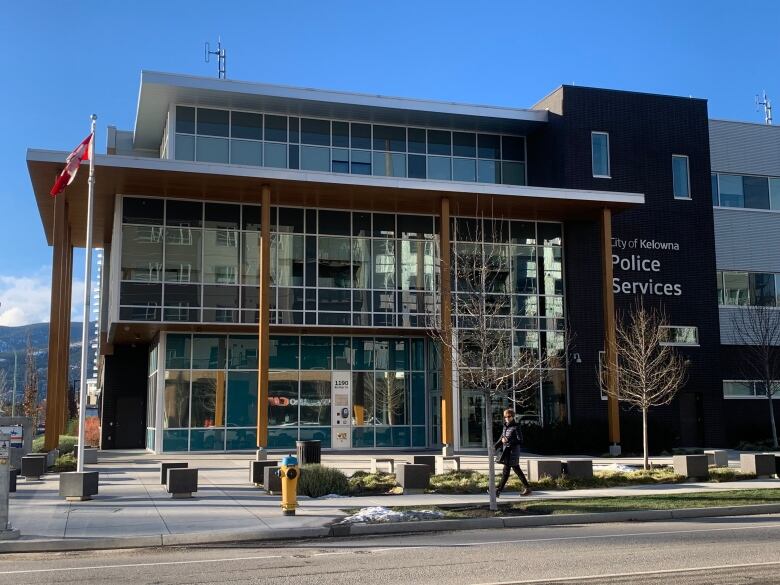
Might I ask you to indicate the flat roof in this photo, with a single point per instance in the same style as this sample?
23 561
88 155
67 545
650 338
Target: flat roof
129 175
158 90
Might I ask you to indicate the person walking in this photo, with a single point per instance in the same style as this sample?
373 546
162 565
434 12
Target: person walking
511 440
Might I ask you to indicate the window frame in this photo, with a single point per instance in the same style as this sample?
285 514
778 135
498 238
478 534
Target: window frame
679 343
688 197
593 158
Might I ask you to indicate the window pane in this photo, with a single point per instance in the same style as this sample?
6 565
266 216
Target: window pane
389 138
220 256
315 353
361 136
213 122
361 262
282 399
384 264
315 131
243 352
275 155
731 388
680 177
287 260
488 171
334 262
242 399
391 391
600 154
464 144
417 167
183 213
208 399
417 140
315 158
415 226
388 164
513 173
417 265
334 222
182 254
222 216
363 399
439 142
245 152
714 186
147 295
762 289
142 253
464 169
185 147
315 398
489 146
176 403
384 225
275 128
731 191
211 149
774 191
439 167
177 351
250 243
220 297
339 160
209 352
513 148
295 130
549 233
185 119
340 134
143 211
284 352
756 190
246 125
735 286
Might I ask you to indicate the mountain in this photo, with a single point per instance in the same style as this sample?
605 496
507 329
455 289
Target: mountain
14 339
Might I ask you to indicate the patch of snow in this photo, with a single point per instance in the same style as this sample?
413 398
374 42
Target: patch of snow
379 514
621 467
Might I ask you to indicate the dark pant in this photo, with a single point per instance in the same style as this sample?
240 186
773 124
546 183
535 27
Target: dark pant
505 476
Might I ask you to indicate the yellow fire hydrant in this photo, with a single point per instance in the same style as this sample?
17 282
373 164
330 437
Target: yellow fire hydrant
288 473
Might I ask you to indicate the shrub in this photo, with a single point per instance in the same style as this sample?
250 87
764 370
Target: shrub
65 463
362 483
317 480
67 444
37 444
92 431
459 482
72 427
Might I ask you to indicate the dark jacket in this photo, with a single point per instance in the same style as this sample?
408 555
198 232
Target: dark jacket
511 453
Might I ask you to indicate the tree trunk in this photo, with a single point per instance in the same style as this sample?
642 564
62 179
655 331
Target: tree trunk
644 438
772 417
491 453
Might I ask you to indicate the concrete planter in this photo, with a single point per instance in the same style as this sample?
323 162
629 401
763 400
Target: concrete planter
445 463
429 460
271 481
165 466
77 486
33 466
182 482
691 466
578 468
413 478
90 455
51 457
717 458
538 468
760 464
256 470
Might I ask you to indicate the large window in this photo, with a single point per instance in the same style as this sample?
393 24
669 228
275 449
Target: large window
314 144
746 191
748 389
680 178
676 335
748 288
599 143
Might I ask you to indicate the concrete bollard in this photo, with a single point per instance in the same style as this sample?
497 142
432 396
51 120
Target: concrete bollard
538 468
691 466
717 458
760 464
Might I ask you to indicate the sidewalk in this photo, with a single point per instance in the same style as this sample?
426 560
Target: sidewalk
133 504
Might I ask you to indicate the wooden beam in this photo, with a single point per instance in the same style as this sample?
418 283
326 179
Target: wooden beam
610 343
447 407
53 412
264 339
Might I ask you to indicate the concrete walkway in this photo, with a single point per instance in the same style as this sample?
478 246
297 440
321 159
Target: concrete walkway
132 503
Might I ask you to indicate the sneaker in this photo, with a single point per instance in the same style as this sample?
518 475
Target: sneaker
526 492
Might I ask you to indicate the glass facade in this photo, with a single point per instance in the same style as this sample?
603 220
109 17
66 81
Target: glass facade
209 391
313 144
748 288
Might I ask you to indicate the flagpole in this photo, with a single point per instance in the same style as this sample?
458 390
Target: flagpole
87 289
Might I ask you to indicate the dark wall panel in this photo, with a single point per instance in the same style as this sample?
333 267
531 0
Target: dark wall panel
124 397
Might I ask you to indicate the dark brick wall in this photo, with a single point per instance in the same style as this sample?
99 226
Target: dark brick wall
123 422
644 131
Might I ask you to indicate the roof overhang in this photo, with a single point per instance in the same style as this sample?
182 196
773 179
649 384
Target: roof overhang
196 180
159 90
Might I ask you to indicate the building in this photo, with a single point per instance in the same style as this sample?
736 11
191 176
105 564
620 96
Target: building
290 244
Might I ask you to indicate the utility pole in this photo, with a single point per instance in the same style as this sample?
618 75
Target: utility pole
13 398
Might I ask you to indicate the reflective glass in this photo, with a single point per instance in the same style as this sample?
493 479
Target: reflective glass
315 132
340 134
176 399
513 148
384 263
439 142
183 213
334 262
680 179
489 146
388 164
731 191
250 246
223 297
390 138
464 144
213 122
209 352
182 254
222 216
361 136
284 352
208 399
335 223
554 397
417 265
550 233
361 262
275 129
512 173
315 398
220 256
144 211
735 287
440 167
756 190
246 125
774 193
488 171
185 147
246 152
417 167
417 142
339 160
363 399
177 351
142 253
391 395
275 155
212 149
287 260
243 352
315 158
282 399
295 127
342 353
762 289
361 162
185 119
714 186
600 154
464 169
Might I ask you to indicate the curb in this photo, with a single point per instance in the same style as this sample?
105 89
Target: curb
344 530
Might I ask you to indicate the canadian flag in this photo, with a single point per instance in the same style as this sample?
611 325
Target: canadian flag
82 152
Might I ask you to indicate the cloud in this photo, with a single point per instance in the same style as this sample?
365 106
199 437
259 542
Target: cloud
26 299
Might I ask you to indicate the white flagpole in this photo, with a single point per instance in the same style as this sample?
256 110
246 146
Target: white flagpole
87 290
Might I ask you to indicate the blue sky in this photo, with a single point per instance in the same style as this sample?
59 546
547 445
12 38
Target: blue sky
64 60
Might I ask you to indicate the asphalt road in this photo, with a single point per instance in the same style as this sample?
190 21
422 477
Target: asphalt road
713 550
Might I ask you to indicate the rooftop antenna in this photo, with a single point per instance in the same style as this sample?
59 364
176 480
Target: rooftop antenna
767 108
220 53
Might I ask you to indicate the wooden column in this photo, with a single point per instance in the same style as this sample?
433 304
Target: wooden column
447 408
264 340
54 390
608 306
64 332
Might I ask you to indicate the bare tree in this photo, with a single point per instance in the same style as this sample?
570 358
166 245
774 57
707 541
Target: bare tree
5 403
757 329
649 372
485 358
30 396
